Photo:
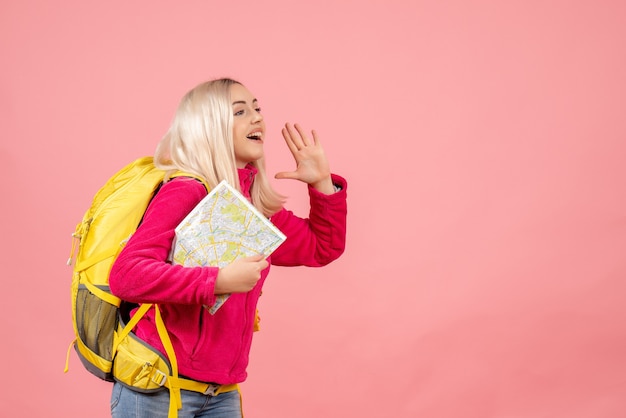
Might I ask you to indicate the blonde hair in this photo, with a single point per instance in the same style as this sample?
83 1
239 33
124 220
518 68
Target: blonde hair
200 141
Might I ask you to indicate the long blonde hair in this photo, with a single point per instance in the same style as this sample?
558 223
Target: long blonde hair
200 141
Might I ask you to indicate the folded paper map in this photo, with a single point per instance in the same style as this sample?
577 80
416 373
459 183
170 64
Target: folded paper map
224 226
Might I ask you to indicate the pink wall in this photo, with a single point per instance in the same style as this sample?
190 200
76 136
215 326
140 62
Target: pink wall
484 143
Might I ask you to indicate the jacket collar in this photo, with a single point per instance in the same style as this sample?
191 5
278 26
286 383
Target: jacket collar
246 177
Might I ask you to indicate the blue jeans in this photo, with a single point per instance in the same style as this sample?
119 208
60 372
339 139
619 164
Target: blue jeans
126 403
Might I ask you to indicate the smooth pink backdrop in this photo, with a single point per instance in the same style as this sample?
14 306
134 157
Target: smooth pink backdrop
484 142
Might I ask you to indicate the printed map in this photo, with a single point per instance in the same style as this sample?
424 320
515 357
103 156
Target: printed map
221 228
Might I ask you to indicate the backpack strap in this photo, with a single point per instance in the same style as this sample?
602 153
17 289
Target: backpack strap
172 380
193 176
174 385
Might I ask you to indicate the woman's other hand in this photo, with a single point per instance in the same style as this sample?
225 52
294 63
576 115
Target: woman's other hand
311 162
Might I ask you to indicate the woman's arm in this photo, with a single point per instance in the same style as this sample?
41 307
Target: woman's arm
321 238
142 273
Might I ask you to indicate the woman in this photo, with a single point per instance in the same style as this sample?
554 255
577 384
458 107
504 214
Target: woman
218 134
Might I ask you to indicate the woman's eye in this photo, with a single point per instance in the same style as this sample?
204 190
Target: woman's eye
258 109
239 113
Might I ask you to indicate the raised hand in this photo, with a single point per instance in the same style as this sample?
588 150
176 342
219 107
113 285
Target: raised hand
311 162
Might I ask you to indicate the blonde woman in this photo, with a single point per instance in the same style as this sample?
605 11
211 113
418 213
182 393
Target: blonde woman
218 134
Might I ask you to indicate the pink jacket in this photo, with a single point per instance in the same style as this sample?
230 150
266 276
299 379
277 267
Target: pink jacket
214 348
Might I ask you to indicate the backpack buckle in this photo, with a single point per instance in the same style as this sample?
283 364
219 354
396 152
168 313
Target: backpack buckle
211 390
159 377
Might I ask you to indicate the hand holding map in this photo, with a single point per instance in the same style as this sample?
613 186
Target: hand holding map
223 227
241 275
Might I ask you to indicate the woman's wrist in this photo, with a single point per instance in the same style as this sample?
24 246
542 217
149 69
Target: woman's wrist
324 186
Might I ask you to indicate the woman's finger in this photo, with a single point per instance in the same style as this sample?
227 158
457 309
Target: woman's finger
292 175
289 141
296 137
316 139
303 136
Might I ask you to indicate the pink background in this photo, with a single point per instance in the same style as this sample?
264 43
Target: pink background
484 143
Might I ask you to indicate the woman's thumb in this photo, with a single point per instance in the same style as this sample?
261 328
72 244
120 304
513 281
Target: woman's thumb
285 175
254 258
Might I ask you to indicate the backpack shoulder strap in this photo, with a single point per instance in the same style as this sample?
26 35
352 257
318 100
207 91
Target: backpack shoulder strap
193 176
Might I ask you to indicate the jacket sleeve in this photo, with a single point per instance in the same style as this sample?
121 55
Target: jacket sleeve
321 238
142 272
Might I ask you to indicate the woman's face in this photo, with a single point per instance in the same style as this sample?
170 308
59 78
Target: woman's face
248 126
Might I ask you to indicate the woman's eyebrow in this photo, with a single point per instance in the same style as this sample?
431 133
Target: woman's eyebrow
244 102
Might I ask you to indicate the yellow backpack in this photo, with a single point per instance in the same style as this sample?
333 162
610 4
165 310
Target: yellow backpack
104 341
